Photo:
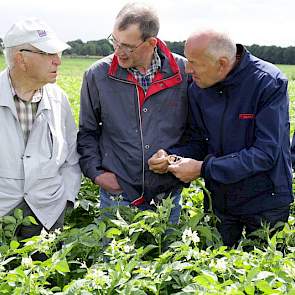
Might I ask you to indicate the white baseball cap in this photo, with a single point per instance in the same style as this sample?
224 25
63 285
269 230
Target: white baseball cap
35 32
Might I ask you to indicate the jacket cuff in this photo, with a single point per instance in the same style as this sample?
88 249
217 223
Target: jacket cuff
205 162
93 173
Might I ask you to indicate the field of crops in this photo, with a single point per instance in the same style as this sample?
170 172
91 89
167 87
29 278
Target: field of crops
137 253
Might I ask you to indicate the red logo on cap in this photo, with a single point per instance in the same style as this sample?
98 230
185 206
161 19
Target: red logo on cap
41 33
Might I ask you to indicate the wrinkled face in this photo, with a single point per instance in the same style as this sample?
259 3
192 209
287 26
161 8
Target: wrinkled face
130 49
204 70
40 66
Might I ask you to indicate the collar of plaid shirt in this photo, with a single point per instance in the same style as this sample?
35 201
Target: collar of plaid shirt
145 80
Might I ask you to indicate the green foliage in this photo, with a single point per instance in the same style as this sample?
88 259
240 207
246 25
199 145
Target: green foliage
125 251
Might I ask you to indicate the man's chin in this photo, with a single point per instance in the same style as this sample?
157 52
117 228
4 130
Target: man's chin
124 63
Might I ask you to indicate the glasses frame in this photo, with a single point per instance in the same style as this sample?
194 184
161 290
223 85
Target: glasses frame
124 47
42 52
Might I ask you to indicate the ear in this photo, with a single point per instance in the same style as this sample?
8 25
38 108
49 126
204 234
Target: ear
152 41
223 64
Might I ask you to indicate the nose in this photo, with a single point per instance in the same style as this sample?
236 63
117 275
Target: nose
119 51
56 59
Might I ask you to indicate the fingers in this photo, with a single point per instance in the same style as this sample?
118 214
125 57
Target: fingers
108 181
158 162
159 166
161 153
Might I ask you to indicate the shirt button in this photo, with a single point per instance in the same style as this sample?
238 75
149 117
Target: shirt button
28 156
144 110
162 85
146 146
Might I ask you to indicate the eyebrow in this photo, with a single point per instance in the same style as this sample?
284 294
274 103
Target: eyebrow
124 44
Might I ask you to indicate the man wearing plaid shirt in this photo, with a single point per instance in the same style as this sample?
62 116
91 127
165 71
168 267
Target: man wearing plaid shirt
39 170
133 102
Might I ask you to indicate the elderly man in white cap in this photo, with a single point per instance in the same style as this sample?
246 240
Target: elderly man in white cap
39 170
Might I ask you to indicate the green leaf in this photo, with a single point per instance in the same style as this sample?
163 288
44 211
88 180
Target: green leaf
18 214
9 227
250 289
264 287
33 220
8 234
9 219
110 233
14 244
263 275
62 266
205 280
29 220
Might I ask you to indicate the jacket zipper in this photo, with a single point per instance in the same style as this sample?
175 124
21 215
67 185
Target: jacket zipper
140 128
141 138
221 92
140 119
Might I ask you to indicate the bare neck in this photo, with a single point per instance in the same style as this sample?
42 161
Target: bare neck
24 87
146 63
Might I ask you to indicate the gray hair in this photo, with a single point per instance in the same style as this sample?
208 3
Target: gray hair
222 45
9 53
141 14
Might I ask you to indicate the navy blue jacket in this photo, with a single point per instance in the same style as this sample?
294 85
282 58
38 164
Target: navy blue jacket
242 135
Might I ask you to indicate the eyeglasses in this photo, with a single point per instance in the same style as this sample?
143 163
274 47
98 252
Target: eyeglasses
42 52
128 49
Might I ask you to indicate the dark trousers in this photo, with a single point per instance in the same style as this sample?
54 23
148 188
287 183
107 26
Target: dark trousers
28 231
231 226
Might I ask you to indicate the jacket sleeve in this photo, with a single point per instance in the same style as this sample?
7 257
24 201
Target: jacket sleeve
70 170
89 130
270 134
197 146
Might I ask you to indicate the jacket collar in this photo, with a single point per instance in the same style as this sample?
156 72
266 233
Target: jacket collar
6 96
234 73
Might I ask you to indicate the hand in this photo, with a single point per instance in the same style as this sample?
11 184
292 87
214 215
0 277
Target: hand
186 169
108 181
158 163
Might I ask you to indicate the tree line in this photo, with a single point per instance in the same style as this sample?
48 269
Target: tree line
273 54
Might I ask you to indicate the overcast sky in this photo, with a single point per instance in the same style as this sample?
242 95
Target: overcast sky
263 22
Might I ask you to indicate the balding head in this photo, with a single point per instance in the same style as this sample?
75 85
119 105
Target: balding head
213 44
211 56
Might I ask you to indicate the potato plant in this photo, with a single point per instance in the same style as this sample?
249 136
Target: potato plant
126 251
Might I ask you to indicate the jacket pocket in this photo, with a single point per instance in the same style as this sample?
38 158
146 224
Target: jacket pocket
250 187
